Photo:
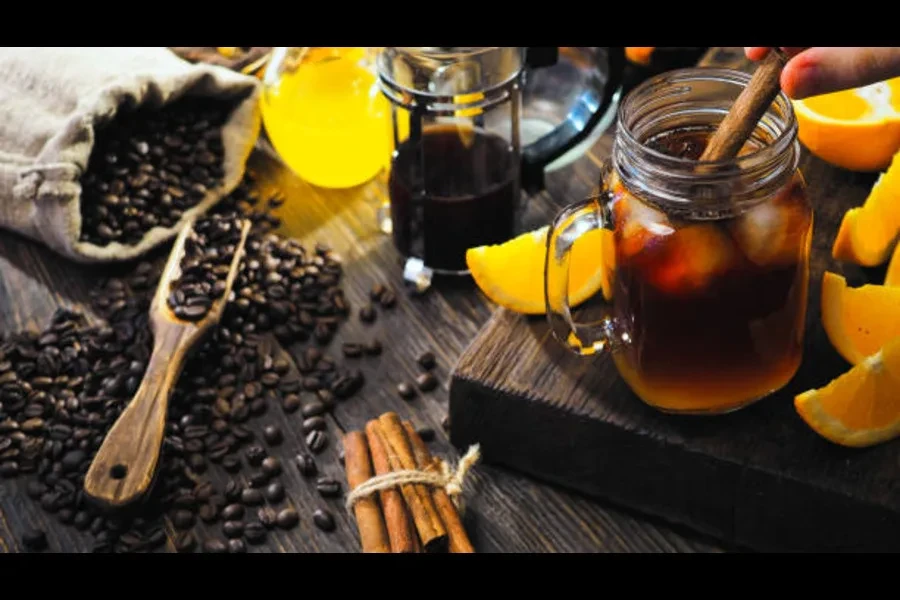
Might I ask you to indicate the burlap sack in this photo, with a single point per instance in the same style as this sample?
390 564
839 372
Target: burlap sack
51 101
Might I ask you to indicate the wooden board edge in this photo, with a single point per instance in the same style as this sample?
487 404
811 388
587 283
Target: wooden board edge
794 516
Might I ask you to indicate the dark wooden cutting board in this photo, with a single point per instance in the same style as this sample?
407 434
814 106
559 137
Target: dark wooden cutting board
758 478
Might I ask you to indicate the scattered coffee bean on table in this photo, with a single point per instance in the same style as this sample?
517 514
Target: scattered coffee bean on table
367 314
274 492
427 360
306 464
316 441
426 382
233 529
149 166
215 546
287 518
272 435
34 540
237 546
251 497
328 487
255 533
406 390
373 348
267 516
323 520
426 433
233 512
271 466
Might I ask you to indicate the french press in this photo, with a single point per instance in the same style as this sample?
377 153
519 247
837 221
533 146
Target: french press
458 163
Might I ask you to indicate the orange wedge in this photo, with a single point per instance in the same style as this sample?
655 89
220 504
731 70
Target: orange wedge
512 274
861 407
859 321
639 55
868 232
892 277
856 129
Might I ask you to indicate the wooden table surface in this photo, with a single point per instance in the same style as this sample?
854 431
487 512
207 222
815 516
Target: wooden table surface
505 512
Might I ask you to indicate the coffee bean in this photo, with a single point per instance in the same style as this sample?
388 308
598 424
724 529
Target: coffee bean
233 529
426 382
255 455
323 520
34 540
445 423
367 314
251 497
316 441
267 516
328 487
183 519
274 492
406 390
426 433
351 350
377 290
287 518
427 360
306 464
271 466
215 546
270 379
237 546
272 435
231 463
291 403
326 397
232 490
185 542
312 408
313 424
255 533
373 348
9 468
388 298
82 520
258 479
208 513
233 512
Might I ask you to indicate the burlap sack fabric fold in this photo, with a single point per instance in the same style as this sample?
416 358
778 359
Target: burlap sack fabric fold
51 102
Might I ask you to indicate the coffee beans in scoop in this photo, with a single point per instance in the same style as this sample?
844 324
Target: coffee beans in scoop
208 252
148 166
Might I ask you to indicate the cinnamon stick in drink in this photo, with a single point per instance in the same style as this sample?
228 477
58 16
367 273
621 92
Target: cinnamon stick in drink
372 531
400 531
459 540
432 531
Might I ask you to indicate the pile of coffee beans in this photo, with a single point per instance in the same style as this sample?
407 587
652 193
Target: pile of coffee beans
148 166
208 253
63 388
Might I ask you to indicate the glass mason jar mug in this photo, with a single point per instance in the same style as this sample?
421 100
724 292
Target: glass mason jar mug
705 265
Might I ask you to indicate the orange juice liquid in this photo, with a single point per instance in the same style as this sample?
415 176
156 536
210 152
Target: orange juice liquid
328 120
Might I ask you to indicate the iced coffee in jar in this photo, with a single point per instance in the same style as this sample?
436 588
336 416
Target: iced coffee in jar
707 264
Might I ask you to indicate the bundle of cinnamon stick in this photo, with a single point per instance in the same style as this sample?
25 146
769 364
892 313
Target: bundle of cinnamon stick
409 517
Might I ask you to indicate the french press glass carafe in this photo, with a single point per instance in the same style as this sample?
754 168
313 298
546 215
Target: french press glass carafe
459 163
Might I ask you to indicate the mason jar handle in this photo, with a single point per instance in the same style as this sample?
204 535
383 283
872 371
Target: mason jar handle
578 125
568 227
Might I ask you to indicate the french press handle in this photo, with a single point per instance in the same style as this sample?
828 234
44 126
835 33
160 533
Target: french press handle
580 122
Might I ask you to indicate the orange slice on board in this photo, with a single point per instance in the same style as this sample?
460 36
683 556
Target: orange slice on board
861 407
857 129
859 321
512 274
868 232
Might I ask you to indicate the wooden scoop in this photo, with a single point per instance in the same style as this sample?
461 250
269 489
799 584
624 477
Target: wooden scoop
748 109
124 467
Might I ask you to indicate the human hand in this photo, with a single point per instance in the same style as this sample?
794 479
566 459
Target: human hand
820 70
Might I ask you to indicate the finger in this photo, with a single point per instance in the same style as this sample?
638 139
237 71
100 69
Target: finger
756 52
823 70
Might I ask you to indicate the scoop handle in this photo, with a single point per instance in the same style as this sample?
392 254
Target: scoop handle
123 469
747 110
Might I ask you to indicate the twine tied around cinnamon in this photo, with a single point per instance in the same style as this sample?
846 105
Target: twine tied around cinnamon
448 478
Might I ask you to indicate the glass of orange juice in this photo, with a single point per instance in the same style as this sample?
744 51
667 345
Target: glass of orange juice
325 115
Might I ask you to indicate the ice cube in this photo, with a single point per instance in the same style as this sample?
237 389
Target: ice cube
691 257
770 232
639 224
